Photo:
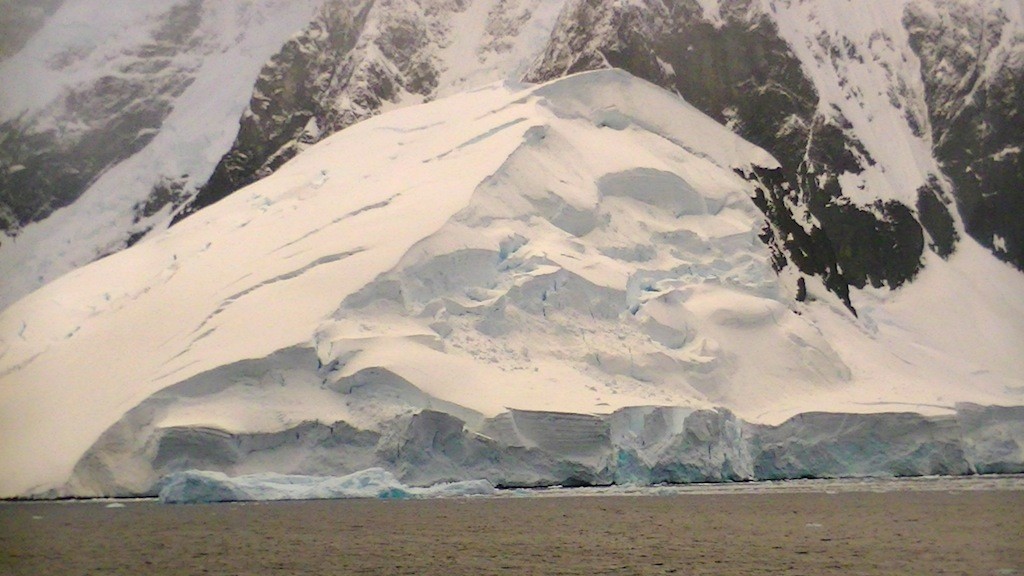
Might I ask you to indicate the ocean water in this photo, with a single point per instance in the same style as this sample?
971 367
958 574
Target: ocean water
908 526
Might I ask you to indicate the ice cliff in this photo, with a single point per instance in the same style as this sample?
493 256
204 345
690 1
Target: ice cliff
631 447
553 284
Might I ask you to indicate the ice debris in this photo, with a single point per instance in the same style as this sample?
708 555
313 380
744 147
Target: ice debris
198 486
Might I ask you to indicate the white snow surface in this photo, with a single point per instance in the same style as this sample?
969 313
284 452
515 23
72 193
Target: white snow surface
87 40
494 41
860 61
581 246
858 56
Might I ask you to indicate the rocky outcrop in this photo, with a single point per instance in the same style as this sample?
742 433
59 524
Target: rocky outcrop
292 104
50 158
738 68
972 60
352 60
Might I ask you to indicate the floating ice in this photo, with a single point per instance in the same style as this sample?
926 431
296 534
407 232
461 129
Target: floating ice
197 486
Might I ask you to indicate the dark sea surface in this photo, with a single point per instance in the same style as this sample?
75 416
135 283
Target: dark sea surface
929 526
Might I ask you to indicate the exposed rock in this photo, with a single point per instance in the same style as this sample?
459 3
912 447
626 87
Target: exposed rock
972 60
353 59
50 163
936 219
742 73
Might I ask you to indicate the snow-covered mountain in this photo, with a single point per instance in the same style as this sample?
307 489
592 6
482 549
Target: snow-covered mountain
883 115
880 114
482 274
117 114
111 113
586 280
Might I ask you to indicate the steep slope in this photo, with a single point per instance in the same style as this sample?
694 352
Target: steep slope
972 60
454 290
140 107
113 113
878 118
359 58
893 121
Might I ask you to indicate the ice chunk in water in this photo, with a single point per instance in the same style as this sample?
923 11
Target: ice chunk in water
198 486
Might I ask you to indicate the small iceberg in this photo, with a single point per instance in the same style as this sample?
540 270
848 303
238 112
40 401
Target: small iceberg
200 486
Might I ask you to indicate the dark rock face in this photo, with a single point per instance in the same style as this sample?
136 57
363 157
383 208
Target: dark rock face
291 102
975 93
936 219
98 125
629 42
744 75
331 76
853 246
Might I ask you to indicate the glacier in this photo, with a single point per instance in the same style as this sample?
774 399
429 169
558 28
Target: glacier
638 446
525 284
116 113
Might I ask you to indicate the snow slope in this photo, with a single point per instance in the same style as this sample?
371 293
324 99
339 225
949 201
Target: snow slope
205 86
55 83
889 119
500 256
890 87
